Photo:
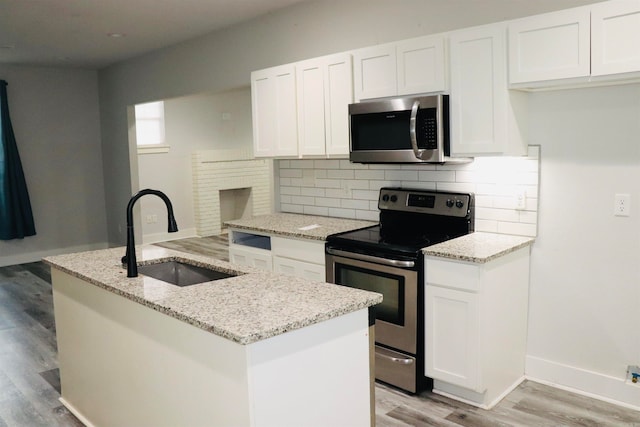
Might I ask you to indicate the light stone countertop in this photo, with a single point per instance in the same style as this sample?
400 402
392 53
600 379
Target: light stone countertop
253 306
478 247
298 225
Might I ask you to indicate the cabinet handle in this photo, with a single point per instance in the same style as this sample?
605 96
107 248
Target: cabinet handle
400 360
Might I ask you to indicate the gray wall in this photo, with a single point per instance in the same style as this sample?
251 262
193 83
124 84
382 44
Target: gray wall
56 121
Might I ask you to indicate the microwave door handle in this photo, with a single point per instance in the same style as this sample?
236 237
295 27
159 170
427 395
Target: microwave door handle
412 130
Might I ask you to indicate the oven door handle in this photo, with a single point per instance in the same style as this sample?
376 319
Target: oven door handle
371 258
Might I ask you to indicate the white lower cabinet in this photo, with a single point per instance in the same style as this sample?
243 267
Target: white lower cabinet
300 258
476 326
294 257
258 258
293 267
453 336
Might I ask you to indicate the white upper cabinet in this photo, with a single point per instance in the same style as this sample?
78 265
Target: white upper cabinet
324 91
374 70
274 113
599 42
407 67
550 46
615 37
484 119
421 65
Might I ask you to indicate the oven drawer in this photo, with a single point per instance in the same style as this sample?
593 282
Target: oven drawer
396 368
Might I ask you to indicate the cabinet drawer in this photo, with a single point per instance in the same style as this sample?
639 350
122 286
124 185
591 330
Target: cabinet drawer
454 275
303 250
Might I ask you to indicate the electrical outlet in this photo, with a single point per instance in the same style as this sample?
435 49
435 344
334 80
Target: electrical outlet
633 375
622 205
521 199
152 219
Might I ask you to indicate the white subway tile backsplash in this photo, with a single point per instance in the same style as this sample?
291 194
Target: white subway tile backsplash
303 200
312 191
517 228
377 185
401 175
367 215
332 202
456 186
433 175
336 187
340 173
290 173
354 204
326 164
365 194
286 207
486 226
316 210
342 213
302 164
369 174
290 190
328 183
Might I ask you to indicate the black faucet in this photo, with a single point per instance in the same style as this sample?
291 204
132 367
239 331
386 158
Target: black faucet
130 256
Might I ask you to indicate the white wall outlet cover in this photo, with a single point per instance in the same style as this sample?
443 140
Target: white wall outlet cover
622 205
520 199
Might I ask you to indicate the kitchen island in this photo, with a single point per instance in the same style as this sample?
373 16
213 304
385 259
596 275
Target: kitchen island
257 349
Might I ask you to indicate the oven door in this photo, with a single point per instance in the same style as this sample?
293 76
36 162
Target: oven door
397 315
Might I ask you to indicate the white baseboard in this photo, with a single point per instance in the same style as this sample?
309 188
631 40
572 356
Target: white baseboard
76 413
149 239
588 383
37 256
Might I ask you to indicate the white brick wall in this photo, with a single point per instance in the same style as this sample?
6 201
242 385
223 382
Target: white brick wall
210 176
339 188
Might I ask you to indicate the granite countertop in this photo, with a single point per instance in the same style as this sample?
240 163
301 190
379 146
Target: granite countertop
298 225
478 247
253 306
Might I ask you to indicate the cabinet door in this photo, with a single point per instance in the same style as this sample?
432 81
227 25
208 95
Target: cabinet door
615 37
421 65
325 90
273 101
375 72
252 257
452 337
311 118
297 268
549 47
478 100
338 95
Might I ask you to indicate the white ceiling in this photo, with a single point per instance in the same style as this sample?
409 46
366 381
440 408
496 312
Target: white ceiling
75 33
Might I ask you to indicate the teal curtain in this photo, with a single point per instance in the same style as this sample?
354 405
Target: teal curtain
16 217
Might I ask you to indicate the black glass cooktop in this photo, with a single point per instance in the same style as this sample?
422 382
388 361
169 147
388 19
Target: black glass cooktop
374 240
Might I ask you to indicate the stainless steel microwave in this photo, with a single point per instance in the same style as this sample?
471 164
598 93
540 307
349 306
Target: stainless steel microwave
400 130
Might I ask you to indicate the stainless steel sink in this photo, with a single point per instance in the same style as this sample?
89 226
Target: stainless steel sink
181 274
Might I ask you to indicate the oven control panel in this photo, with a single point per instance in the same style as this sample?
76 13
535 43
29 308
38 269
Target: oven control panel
424 201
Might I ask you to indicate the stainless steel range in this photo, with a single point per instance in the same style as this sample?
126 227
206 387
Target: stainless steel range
387 258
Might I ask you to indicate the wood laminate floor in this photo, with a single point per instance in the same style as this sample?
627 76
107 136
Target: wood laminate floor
30 383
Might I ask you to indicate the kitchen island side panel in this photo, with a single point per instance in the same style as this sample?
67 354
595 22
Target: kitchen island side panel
124 364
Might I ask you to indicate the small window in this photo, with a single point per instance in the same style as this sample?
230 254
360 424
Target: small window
150 136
